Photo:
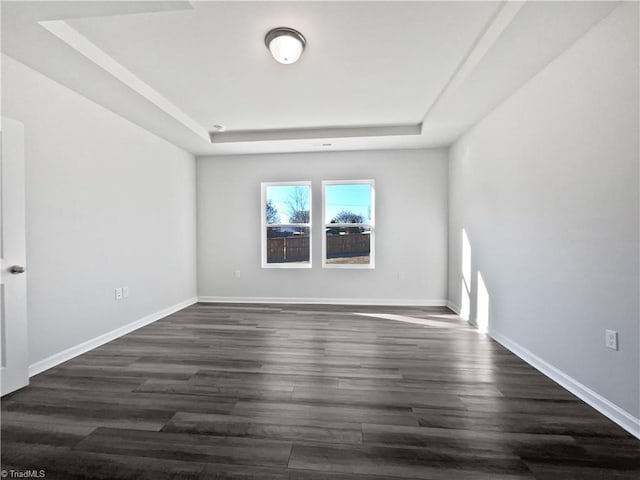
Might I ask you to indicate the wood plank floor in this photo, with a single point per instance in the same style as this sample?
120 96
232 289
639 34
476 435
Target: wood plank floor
276 392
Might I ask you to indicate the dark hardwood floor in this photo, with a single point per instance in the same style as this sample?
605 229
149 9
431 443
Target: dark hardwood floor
308 393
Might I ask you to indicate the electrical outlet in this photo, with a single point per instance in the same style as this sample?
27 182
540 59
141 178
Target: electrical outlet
125 292
237 273
118 293
611 339
401 276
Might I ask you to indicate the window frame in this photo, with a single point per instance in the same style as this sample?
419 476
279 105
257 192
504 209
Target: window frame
370 226
264 225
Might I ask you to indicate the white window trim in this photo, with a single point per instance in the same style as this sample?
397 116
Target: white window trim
371 226
263 216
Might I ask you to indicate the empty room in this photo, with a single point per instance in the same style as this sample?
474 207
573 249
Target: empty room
320 240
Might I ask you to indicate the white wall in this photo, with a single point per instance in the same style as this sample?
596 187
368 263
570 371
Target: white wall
411 220
547 190
108 205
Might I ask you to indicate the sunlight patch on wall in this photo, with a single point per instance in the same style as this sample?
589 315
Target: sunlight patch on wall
482 316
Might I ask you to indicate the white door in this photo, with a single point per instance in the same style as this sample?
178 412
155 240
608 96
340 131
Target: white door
14 371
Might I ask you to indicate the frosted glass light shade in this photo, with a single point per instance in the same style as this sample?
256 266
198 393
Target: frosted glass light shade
285 44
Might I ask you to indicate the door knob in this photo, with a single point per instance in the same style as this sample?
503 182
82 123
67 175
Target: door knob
16 269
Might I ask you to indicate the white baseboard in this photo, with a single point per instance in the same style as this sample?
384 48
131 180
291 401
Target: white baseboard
610 410
328 301
84 347
454 306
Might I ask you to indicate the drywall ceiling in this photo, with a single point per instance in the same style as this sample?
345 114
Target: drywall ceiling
374 75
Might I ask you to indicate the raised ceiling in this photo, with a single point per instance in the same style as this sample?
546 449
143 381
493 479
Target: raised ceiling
374 75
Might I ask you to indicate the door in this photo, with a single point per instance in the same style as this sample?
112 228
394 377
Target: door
14 371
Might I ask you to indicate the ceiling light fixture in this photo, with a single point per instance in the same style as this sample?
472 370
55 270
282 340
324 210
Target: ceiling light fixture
285 44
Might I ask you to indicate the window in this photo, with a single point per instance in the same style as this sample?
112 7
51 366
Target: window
286 225
348 218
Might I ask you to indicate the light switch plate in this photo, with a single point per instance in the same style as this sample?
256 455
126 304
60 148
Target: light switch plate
611 339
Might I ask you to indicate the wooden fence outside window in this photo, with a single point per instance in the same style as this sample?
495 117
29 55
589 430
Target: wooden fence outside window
296 249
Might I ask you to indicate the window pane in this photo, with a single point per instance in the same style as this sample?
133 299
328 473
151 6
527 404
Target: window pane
349 217
287 203
348 203
288 245
351 245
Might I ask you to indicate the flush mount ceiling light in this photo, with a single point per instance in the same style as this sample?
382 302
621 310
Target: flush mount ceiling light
285 44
